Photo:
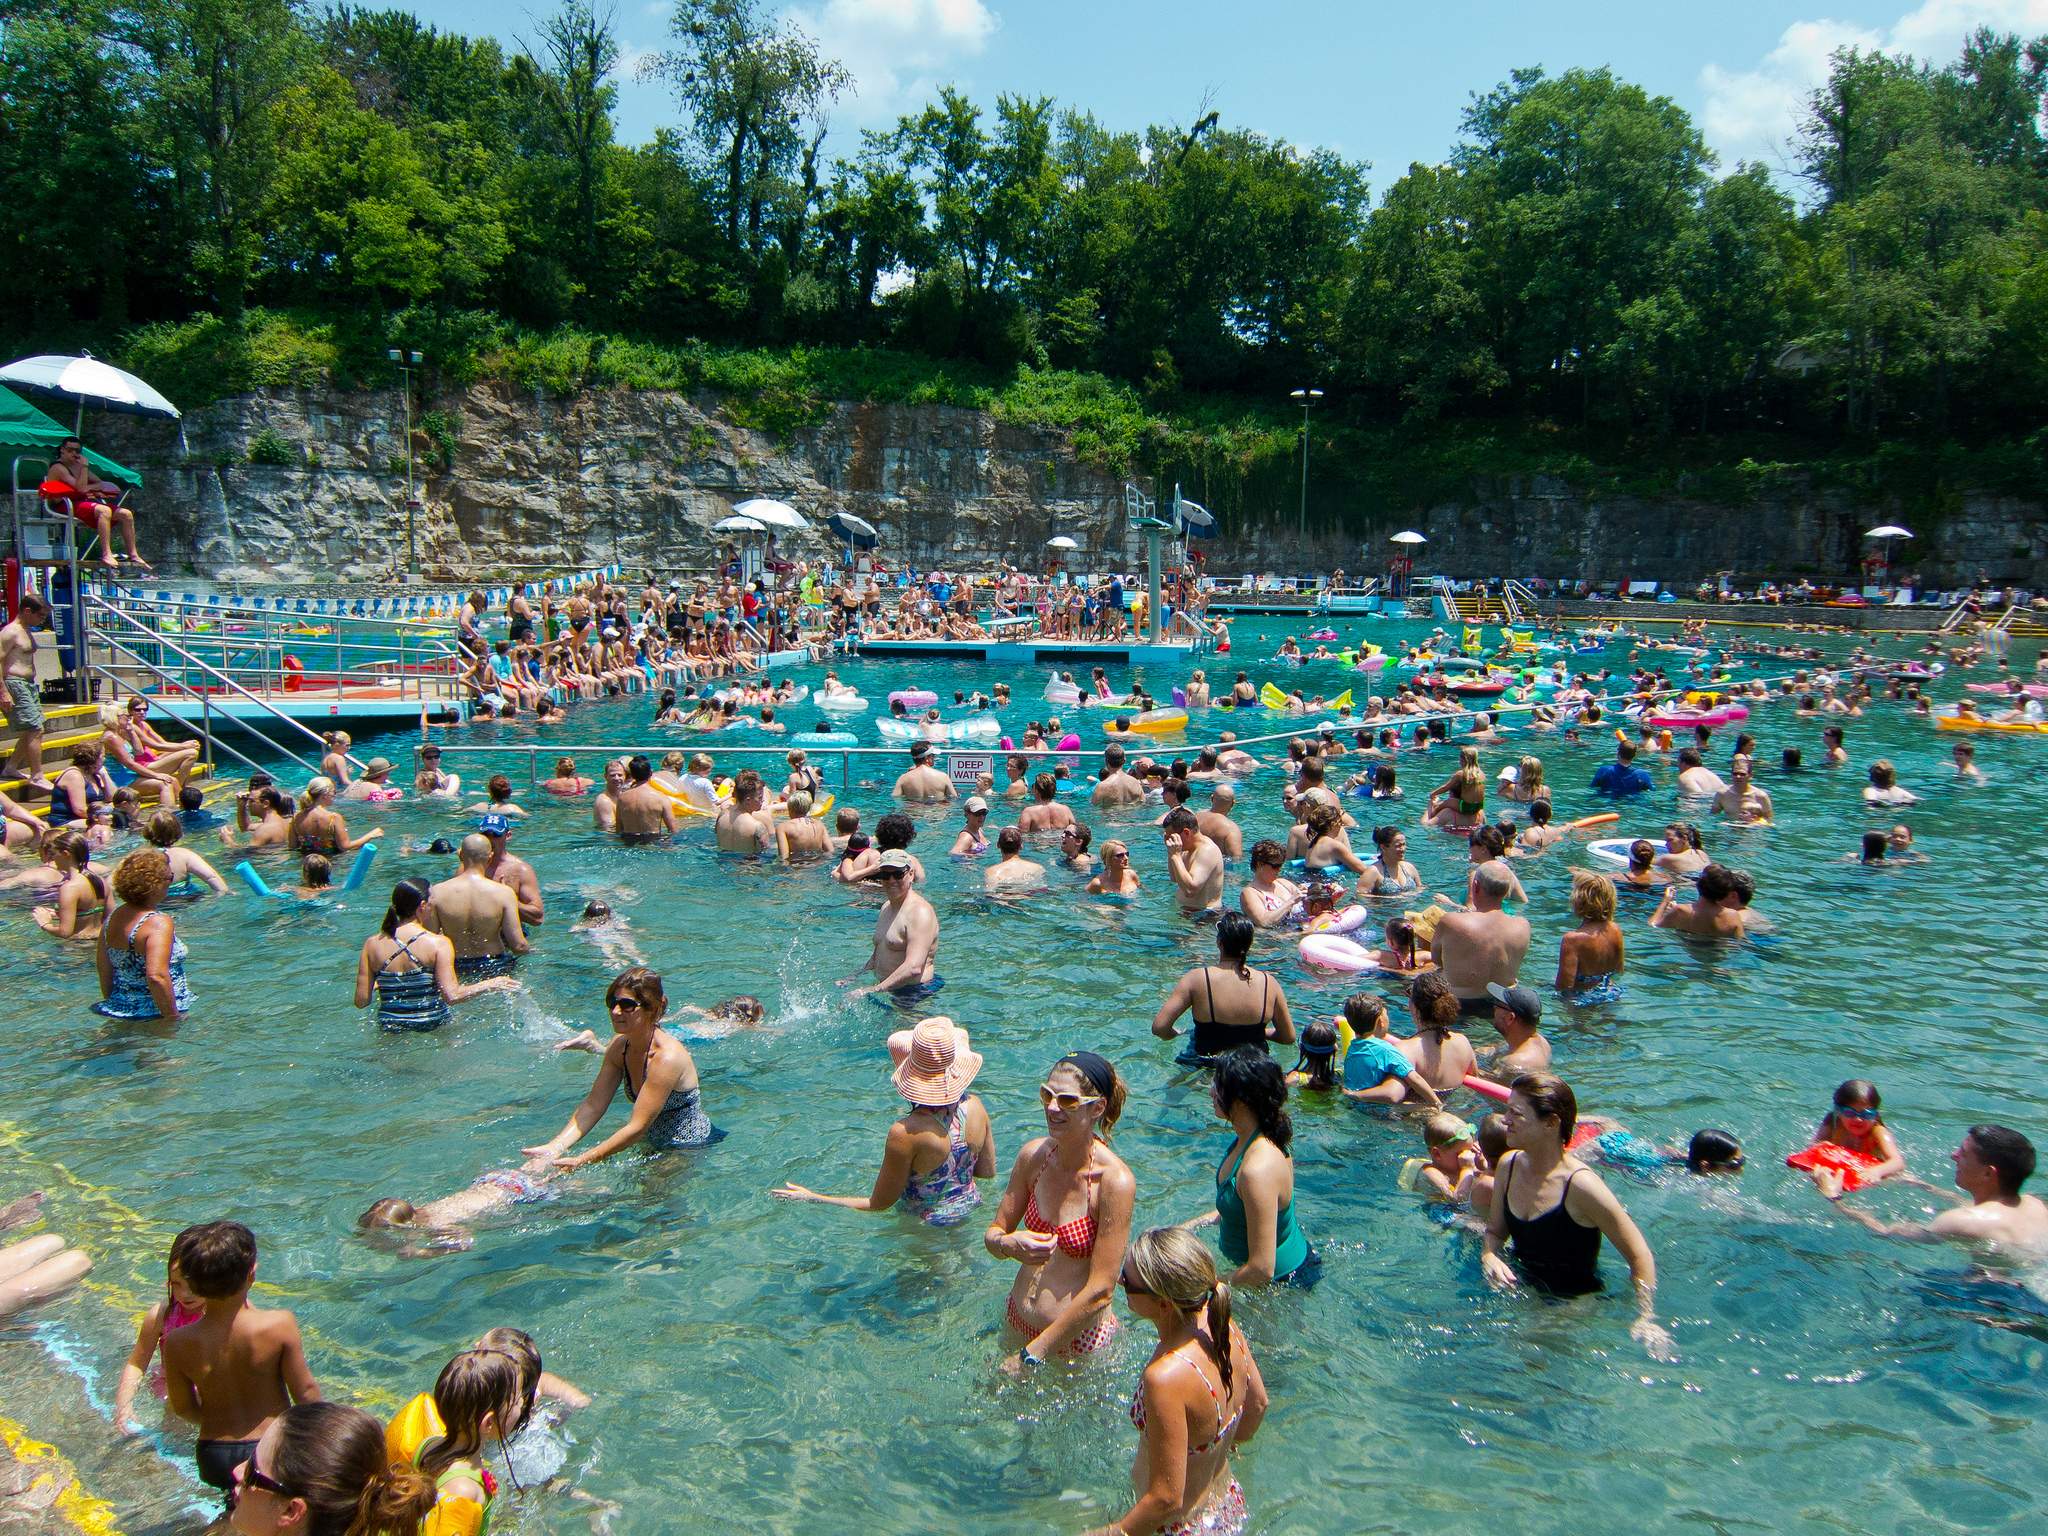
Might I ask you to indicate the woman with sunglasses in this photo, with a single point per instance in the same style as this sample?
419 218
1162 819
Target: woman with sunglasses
1117 878
1066 1216
321 1469
1267 899
667 1110
1200 1398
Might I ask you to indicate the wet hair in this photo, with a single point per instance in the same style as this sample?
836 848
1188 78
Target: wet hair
640 982
1641 853
847 821
2009 1154
593 910
391 1211
332 1457
745 1006
1318 1054
407 897
1882 774
1493 1137
1100 1074
1383 837
1874 846
1045 786
1174 1265
1254 1079
1180 819
1592 898
895 830
476 1384
440 845
500 788
638 768
163 828
1689 757
191 798
315 869
216 1259
1080 832
1552 1099
799 805
1434 1003
1444 1129
142 878
1009 840
1234 935
1857 1093
1539 813
1711 1150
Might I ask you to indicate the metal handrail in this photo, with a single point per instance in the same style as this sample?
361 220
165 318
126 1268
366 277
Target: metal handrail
95 601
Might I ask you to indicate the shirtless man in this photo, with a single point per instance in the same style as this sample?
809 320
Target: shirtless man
906 944
1721 910
743 826
479 916
640 812
1216 824
1011 870
604 809
1481 945
511 871
1046 813
921 783
24 698
1518 1015
1194 862
800 837
1742 802
1695 777
1116 787
1999 1222
93 502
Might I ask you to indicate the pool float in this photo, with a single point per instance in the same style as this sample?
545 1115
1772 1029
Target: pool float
721 792
1475 638
1350 920
2030 690
309 631
1334 952
1059 691
1151 722
914 698
841 704
1684 719
1850 1164
1282 659
1322 634
357 873
803 691
1272 697
1180 698
824 739
1477 688
1487 1087
977 728
1613 850
1958 723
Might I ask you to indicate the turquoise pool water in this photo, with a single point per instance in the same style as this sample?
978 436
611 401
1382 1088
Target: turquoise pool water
775 1368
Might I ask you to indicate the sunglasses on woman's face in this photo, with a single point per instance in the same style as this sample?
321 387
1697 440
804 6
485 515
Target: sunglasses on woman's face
249 1475
1067 1103
1131 1287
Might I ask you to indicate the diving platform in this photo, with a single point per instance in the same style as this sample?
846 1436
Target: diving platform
1039 650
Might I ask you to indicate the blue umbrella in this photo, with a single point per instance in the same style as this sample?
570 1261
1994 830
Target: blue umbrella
858 532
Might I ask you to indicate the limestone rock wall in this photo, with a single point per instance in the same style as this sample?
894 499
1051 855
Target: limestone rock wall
511 479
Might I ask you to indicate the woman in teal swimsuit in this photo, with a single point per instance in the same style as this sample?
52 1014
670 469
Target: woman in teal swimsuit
1256 1227
941 1145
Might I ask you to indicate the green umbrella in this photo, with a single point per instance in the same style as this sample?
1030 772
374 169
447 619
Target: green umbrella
26 432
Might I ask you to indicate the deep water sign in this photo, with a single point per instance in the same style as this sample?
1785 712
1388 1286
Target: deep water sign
968 767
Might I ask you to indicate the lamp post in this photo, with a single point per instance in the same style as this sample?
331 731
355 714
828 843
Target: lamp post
406 362
1307 397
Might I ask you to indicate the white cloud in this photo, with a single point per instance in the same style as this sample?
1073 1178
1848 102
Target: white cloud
1752 114
899 52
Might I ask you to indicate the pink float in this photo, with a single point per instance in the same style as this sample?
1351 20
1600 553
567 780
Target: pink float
1726 714
914 698
1350 920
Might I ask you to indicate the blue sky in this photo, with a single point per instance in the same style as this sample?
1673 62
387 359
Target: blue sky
1376 81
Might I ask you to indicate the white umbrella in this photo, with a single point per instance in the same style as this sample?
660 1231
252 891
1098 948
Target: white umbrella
88 381
773 514
1888 531
1408 536
739 524
1061 541
1194 515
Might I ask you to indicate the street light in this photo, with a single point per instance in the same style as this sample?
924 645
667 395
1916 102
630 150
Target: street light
1307 397
406 362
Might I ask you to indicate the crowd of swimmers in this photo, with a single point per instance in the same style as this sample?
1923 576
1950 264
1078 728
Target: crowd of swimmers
1537 1179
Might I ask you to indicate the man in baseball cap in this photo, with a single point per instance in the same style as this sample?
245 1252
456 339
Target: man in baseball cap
510 871
1518 1015
903 959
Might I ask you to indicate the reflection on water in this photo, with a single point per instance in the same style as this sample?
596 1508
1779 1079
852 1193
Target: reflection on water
758 1365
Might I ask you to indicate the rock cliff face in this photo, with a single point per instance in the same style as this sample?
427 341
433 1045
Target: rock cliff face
508 480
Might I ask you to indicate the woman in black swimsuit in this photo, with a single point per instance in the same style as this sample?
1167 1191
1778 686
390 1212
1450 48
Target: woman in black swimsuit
1232 1004
1551 1210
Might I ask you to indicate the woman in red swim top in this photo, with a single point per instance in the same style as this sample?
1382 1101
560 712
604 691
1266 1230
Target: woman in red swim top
1066 1216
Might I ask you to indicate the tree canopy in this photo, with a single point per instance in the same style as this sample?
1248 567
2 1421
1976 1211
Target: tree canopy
1578 258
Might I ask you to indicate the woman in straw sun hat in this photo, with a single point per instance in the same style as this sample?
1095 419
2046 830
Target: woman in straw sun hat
941 1144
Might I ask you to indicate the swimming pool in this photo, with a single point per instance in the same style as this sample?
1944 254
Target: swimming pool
778 1368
